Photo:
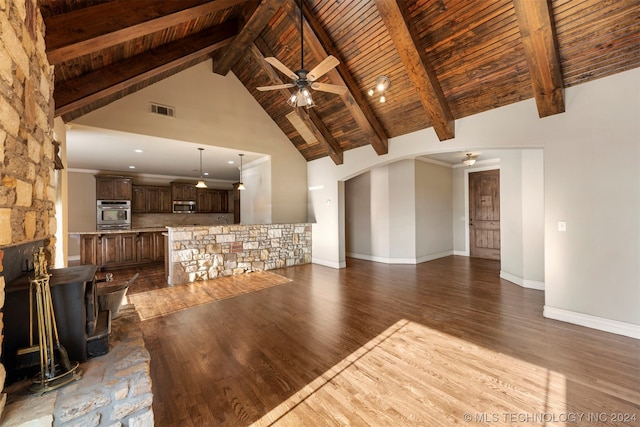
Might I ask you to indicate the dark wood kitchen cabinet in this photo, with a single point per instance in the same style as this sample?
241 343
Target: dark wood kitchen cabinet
89 250
183 191
118 250
113 187
212 201
150 247
151 199
115 250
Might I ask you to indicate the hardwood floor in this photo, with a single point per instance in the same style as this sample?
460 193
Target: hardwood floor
436 344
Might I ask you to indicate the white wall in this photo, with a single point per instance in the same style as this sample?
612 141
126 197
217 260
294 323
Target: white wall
511 216
82 208
434 211
255 201
532 166
358 214
219 111
62 197
399 213
380 244
402 211
591 181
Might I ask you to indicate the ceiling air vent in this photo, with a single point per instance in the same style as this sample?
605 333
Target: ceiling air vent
163 110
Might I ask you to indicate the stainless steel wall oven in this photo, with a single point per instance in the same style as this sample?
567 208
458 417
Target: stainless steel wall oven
113 215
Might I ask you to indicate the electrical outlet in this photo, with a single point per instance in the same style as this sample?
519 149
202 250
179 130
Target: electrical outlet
562 226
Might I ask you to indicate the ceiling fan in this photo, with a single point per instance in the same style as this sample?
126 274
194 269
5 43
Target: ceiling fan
304 79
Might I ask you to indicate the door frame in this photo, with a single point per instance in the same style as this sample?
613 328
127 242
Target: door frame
467 171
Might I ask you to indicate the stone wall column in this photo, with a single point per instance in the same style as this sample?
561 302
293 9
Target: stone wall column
27 181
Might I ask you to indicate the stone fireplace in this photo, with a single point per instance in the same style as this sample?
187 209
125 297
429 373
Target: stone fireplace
27 173
115 389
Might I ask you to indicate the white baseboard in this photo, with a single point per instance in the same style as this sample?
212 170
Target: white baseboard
461 253
400 260
326 263
431 257
525 283
593 322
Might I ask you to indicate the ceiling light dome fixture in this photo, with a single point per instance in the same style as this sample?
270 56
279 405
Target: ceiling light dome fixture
201 183
382 85
469 160
240 184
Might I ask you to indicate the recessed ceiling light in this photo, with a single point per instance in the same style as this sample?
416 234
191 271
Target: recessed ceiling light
132 167
230 162
206 174
138 151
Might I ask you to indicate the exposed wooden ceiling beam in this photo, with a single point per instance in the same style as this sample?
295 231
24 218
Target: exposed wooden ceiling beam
76 93
321 45
539 41
90 29
310 119
406 40
249 32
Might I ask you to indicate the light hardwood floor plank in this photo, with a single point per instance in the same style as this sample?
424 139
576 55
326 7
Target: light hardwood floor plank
386 345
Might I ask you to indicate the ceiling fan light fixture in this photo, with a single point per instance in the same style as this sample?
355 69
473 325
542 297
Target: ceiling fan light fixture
201 183
304 79
301 98
469 161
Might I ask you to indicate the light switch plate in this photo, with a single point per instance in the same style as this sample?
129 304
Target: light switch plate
562 226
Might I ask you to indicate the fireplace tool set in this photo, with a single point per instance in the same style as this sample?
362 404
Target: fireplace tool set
55 368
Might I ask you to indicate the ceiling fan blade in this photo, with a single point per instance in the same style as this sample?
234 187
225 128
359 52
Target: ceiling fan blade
323 67
326 87
280 66
275 87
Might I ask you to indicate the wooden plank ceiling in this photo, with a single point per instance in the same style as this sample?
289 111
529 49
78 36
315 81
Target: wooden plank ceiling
446 59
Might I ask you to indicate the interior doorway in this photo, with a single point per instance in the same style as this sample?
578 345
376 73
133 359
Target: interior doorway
484 214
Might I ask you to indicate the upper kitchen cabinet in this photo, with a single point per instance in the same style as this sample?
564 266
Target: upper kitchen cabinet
151 199
212 201
113 187
183 192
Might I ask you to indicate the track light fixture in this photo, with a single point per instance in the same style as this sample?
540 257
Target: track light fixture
382 85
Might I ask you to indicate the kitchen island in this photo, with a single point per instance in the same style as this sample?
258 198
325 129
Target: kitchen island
206 252
111 249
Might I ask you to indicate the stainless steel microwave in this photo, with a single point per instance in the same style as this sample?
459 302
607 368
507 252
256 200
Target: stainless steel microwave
184 206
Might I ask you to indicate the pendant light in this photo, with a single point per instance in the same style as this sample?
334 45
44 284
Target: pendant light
201 183
240 184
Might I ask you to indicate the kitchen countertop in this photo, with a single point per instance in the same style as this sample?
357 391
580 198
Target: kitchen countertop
132 230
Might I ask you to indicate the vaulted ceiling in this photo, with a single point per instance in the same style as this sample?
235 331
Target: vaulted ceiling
446 59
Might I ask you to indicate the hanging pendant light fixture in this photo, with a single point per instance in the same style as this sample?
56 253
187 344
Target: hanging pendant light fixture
201 183
240 184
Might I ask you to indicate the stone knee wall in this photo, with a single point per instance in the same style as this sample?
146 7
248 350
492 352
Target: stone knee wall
27 180
206 252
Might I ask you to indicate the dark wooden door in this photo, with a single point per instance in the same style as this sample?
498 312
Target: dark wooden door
484 214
